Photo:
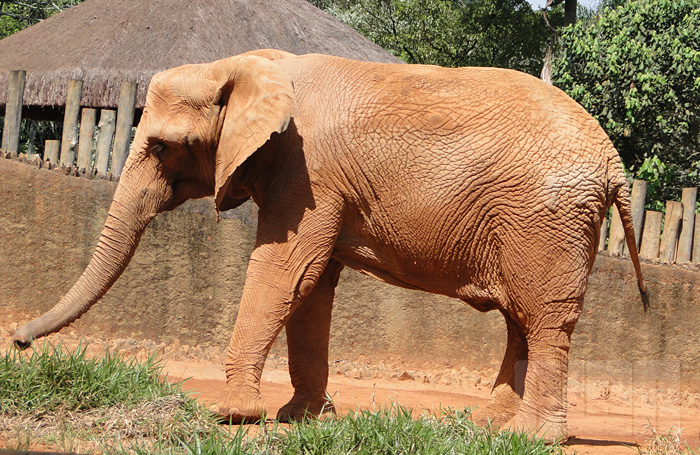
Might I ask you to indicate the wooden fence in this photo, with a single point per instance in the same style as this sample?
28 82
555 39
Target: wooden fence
78 152
679 241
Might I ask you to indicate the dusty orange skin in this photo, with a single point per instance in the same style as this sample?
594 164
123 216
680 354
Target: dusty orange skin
483 184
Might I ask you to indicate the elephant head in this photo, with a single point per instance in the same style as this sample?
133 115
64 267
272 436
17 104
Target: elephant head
199 125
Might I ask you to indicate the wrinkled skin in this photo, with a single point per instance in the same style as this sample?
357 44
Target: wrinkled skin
482 184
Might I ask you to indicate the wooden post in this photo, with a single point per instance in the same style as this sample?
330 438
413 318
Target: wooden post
87 132
51 150
651 237
672 227
125 122
105 134
639 197
13 112
616 241
69 140
685 240
604 228
696 240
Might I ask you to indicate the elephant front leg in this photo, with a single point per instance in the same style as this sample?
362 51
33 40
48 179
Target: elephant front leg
261 316
281 275
507 392
308 332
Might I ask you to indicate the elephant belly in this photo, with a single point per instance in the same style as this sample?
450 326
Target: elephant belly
385 264
367 263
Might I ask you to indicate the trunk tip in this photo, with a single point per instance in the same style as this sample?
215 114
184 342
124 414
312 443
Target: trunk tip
22 339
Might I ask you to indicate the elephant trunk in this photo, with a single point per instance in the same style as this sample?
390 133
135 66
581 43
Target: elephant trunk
128 217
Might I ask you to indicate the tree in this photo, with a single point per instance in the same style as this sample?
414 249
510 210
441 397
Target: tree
503 33
636 68
16 15
570 7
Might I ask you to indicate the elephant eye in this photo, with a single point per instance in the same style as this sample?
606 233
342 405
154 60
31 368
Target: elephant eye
158 149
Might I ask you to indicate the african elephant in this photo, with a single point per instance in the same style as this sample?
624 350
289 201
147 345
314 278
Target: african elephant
482 184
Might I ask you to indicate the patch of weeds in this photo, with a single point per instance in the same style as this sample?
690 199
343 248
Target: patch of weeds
67 400
393 430
49 378
668 444
397 430
20 438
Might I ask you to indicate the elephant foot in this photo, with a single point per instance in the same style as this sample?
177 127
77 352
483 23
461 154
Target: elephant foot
502 407
238 408
300 409
491 415
554 430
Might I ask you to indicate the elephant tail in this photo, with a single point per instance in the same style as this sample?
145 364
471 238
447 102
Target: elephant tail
624 207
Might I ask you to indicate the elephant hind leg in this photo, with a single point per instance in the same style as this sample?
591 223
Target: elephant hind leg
308 332
544 401
507 392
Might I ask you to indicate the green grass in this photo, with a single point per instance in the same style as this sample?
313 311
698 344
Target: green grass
52 377
62 398
397 430
115 405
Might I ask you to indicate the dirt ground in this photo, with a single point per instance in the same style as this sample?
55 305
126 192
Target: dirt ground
603 418
597 426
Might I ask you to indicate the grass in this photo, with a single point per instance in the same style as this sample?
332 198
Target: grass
57 399
396 430
50 378
667 444
60 398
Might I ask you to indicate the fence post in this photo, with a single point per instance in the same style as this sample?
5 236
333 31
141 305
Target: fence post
639 197
125 122
672 227
616 241
69 140
651 238
105 133
87 132
685 240
696 240
13 112
51 150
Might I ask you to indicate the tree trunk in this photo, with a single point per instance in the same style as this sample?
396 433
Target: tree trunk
570 12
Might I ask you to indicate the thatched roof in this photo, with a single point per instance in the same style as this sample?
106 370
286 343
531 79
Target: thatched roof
104 42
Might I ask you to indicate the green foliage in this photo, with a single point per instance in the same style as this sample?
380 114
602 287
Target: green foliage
636 67
661 179
16 15
502 33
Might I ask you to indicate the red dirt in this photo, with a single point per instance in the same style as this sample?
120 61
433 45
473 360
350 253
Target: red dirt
598 426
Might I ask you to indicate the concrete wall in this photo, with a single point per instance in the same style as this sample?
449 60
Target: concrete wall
186 278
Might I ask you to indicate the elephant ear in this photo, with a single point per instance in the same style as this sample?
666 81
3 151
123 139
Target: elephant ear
257 100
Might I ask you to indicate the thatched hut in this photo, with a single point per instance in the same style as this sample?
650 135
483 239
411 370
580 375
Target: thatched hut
105 42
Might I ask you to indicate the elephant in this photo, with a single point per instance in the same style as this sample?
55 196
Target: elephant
483 184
